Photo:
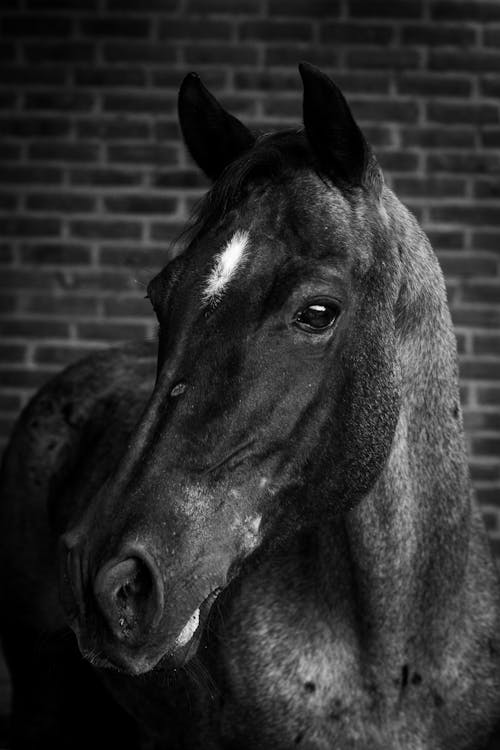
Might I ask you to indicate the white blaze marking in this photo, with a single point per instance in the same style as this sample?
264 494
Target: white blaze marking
188 630
226 263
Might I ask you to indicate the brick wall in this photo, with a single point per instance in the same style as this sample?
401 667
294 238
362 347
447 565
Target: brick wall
94 182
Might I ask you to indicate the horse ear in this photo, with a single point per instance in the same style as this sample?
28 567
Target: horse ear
331 129
213 136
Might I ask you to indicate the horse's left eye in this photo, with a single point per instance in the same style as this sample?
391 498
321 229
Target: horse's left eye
317 317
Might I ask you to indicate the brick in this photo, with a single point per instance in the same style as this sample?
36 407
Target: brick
430 186
30 174
165 232
62 355
270 30
104 177
490 521
465 265
138 103
105 230
195 28
144 154
479 369
132 256
489 85
128 307
8 303
113 129
36 25
34 328
63 151
7 100
8 202
487 188
6 253
235 54
469 60
19 378
180 178
466 214
281 54
10 402
397 161
59 100
385 110
107 331
438 34
475 114
7 52
445 239
23 75
486 241
397 58
60 202
27 226
115 77
157 6
490 138
12 353
465 10
112 26
134 52
482 471
140 204
290 107
62 4
166 130
356 82
483 317
489 496
385 9
487 343
456 161
60 51
486 446
322 9
68 305
426 84
9 152
34 127
51 253
352 33
482 421
488 395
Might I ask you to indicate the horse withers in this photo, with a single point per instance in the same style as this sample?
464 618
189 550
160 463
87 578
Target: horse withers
268 540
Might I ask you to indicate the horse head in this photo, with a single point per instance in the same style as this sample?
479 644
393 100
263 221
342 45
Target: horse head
290 353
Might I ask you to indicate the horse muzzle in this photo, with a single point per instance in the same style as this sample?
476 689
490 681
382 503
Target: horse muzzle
119 614
115 613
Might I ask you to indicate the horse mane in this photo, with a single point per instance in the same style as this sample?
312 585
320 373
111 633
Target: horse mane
273 158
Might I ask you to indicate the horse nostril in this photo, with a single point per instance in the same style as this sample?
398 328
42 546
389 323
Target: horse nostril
130 597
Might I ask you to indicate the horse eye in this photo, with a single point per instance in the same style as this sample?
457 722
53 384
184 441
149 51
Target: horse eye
317 317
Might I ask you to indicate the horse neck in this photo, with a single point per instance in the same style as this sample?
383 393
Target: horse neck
409 538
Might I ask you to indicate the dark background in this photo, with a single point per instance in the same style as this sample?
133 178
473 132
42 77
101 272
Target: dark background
95 184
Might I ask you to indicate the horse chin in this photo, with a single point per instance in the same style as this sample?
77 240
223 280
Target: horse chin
167 658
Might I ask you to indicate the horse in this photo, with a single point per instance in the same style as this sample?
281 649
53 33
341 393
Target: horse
259 532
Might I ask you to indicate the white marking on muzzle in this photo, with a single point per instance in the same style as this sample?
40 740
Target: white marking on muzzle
189 629
225 266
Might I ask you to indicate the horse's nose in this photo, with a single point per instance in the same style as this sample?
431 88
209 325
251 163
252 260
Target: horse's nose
129 593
